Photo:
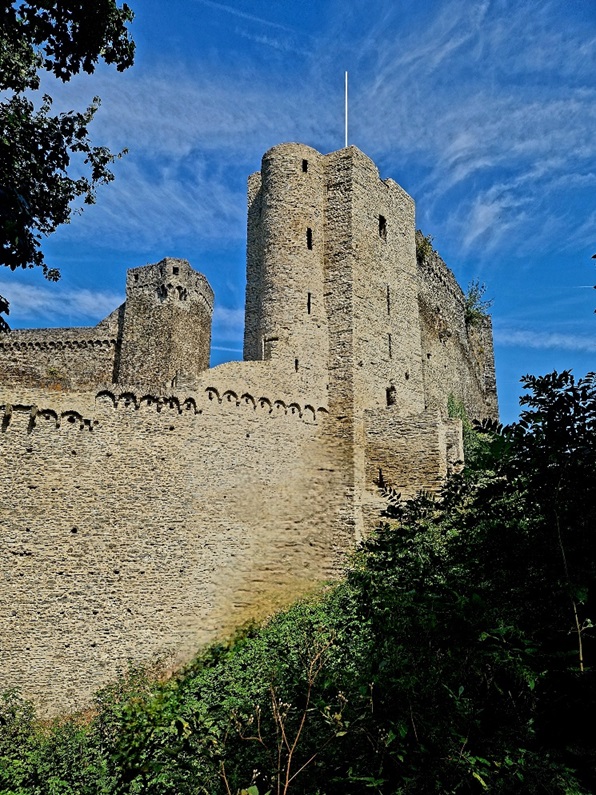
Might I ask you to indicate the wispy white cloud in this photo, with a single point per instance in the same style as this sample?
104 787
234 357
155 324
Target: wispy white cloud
278 43
228 324
39 304
545 340
243 14
157 206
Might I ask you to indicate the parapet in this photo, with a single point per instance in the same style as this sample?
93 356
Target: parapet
170 279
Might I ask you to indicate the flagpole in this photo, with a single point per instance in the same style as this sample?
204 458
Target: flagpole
346 108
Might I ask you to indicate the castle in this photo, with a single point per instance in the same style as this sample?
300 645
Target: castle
151 504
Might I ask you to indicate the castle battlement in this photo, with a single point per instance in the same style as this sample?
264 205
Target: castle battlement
153 503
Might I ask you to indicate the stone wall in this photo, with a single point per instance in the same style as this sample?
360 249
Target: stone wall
70 358
150 525
458 357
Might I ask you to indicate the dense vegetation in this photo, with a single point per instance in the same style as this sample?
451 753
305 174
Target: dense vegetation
456 656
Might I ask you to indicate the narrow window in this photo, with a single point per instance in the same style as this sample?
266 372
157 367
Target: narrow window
175 270
304 166
136 277
308 303
382 227
269 347
309 238
388 300
296 365
391 392
389 345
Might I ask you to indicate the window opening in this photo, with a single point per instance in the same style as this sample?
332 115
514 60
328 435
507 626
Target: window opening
269 346
175 270
136 277
389 345
309 238
304 166
382 227
391 393
296 365
309 303
388 300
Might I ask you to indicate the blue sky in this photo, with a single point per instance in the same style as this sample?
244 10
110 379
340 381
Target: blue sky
483 110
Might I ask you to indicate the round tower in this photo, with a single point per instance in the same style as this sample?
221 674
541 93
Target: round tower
166 324
285 307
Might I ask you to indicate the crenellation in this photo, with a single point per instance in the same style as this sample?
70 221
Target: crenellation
152 503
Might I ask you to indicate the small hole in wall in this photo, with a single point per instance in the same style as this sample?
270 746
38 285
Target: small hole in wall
382 227
74 530
304 166
391 394
73 452
309 238
29 449
428 355
116 571
407 376
171 427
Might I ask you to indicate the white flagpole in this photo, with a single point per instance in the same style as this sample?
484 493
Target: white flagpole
346 108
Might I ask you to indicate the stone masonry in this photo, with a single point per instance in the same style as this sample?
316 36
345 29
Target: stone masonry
151 504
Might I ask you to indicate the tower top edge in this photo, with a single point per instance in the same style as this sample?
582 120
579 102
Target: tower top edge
283 151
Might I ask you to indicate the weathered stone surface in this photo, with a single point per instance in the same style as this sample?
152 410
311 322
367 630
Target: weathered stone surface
151 504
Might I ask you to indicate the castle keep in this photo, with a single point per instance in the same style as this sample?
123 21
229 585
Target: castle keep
151 504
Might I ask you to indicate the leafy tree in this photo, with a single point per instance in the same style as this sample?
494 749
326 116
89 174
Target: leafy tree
37 147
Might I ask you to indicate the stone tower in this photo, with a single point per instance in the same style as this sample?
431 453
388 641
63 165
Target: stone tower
286 315
166 324
331 277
